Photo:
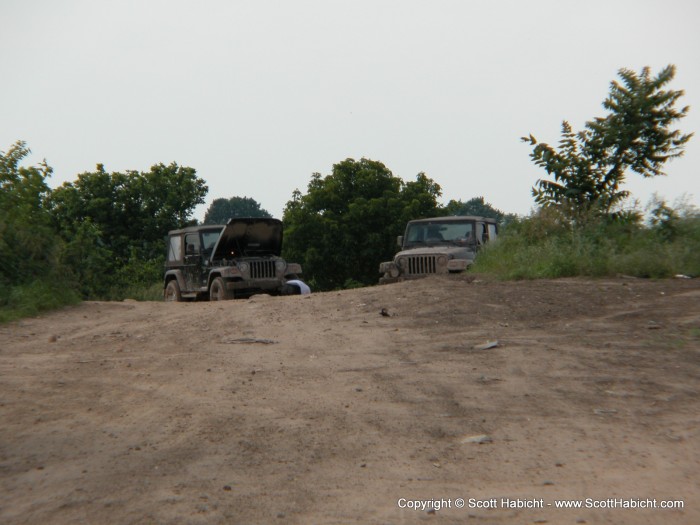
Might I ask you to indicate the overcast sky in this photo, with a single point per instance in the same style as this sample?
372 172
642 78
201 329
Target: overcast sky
258 95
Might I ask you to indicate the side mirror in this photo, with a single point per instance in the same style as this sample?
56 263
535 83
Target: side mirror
399 240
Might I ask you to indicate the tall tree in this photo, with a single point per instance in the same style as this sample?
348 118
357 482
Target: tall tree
132 210
347 222
28 247
589 167
113 224
478 206
221 210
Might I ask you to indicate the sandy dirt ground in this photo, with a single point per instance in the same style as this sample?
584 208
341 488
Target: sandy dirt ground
319 409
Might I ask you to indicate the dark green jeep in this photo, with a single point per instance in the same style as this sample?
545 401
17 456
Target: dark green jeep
221 262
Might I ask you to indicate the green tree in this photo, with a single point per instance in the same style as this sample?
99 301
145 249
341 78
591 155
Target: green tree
589 167
221 210
27 243
114 223
31 276
130 210
347 222
479 207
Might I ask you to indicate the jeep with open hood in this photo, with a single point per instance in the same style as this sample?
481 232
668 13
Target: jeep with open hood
438 245
218 262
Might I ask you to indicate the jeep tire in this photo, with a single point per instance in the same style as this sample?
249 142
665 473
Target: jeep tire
172 291
218 290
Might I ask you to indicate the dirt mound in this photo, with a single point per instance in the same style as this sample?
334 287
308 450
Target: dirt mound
358 406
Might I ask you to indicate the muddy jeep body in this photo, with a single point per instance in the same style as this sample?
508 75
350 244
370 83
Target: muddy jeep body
238 259
438 245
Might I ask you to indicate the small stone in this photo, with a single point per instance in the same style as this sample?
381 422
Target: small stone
227 487
479 438
487 345
604 411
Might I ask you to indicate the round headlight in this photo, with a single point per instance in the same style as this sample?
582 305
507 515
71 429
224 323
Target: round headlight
280 265
243 267
442 260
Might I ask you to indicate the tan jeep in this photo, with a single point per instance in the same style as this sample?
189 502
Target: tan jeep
438 245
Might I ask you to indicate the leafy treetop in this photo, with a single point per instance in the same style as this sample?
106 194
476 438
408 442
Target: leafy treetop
589 166
132 210
221 210
347 222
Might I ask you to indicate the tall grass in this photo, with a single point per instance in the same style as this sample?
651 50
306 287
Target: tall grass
545 245
30 299
138 280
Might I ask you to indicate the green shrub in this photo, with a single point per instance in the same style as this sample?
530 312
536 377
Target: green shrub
140 279
30 299
545 245
153 292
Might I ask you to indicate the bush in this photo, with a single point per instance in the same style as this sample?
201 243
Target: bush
140 279
30 299
153 292
546 245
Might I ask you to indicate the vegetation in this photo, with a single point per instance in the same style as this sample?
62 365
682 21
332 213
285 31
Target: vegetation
546 245
221 210
99 237
479 207
113 224
347 222
590 166
31 271
581 227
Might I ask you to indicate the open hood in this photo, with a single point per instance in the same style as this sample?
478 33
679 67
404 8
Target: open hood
249 237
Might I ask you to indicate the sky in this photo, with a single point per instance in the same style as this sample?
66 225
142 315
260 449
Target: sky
257 95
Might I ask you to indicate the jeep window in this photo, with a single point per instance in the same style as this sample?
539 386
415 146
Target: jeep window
452 232
492 231
175 248
480 232
209 241
192 244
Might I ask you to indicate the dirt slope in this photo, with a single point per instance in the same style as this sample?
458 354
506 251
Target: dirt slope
319 409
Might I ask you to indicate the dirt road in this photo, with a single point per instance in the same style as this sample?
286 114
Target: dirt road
320 409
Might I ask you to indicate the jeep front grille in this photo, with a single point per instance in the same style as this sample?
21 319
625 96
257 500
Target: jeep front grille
262 269
421 264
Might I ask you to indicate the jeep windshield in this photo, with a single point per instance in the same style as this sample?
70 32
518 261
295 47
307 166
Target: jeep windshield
436 232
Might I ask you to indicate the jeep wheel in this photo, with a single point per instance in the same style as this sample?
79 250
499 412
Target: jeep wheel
172 291
218 291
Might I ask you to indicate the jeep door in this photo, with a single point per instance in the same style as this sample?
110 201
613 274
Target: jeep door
193 269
